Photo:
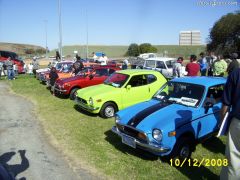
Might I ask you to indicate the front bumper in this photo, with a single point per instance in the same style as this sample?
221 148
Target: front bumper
87 107
154 148
60 90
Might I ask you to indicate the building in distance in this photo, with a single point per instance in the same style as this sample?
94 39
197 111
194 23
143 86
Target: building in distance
190 38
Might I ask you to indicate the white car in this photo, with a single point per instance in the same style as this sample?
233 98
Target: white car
161 64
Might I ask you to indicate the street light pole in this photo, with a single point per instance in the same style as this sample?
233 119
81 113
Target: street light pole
87 33
60 29
45 21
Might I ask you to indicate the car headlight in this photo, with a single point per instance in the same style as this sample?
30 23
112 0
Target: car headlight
117 118
157 134
91 101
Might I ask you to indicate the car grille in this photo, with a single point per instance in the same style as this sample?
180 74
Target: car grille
131 132
81 100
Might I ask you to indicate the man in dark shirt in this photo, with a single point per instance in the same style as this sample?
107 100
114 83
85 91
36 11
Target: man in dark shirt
234 64
231 99
193 68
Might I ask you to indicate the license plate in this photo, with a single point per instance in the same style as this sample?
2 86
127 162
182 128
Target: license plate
129 141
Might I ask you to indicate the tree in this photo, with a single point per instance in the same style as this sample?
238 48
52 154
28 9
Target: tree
133 50
225 34
147 48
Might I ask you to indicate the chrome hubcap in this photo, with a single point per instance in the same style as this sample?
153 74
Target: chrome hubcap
109 111
184 152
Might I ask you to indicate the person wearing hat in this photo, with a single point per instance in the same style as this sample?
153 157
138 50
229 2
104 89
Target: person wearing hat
234 64
178 70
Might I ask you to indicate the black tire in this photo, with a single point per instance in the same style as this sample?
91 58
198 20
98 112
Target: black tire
73 94
108 110
183 148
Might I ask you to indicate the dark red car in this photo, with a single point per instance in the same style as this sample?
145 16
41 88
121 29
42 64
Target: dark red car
4 55
69 86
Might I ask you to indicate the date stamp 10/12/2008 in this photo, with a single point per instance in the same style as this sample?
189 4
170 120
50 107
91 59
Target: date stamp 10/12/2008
215 3
198 163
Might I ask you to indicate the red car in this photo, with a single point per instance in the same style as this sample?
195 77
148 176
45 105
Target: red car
69 86
4 55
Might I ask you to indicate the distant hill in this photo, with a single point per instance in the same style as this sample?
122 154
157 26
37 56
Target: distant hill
18 48
113 51
119 51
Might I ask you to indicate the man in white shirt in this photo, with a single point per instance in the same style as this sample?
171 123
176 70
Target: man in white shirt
103 59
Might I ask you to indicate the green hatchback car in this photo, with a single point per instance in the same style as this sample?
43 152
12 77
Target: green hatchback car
122 89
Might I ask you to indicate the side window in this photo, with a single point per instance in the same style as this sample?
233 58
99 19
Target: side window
139 80
101 72
151 78
150 64
214 94
111 71
161 65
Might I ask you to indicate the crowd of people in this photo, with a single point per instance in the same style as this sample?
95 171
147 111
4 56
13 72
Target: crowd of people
210 65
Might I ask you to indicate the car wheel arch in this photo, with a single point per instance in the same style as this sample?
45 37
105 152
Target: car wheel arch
71 94
104 104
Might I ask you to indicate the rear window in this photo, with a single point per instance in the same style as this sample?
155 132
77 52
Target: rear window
150 64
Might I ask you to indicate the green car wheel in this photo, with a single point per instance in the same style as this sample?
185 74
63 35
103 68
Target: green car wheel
108 110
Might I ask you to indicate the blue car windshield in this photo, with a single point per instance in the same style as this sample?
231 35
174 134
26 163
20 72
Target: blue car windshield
181 93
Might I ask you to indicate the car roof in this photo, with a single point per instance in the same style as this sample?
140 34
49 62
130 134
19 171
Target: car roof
138 71
202 80
161 59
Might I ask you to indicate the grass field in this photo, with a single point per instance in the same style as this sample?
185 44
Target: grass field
119 51
88 141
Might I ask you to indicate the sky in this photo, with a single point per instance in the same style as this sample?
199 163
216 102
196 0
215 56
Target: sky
108 22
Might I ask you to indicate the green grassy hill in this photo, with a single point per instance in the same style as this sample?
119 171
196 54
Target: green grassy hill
119 51
113 51
18 48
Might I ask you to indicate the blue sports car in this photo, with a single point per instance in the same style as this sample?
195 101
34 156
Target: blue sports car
184 111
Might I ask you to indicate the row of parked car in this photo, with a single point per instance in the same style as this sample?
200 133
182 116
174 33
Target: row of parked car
166 118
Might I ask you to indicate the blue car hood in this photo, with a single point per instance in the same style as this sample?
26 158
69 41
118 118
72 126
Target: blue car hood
154 114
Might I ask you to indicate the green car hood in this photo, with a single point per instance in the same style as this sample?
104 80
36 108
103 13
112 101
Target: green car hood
95 91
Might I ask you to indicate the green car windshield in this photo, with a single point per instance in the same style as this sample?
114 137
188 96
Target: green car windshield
181 93
116 79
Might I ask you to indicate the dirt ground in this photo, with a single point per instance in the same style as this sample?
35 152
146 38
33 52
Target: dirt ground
24 148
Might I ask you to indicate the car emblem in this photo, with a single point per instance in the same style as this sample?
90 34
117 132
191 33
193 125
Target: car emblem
132 123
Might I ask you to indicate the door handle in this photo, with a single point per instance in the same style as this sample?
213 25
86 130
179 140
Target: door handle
148 89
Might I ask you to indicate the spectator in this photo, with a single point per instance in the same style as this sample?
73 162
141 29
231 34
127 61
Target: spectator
1 69
125 64
35 65
234 64
103 59
219 67
94 56
203 64
10 71
5 70
231 101
193 67
53 77
210 60
15 69
58 57
77 66
178 70
30 69
25 68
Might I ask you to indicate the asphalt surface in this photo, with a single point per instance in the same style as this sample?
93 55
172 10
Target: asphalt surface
24 148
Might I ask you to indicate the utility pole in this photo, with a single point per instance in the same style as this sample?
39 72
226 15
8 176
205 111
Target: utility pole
87 33
45 21
60 29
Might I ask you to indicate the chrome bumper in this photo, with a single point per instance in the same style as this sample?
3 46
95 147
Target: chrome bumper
60 90
85 106
150 147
